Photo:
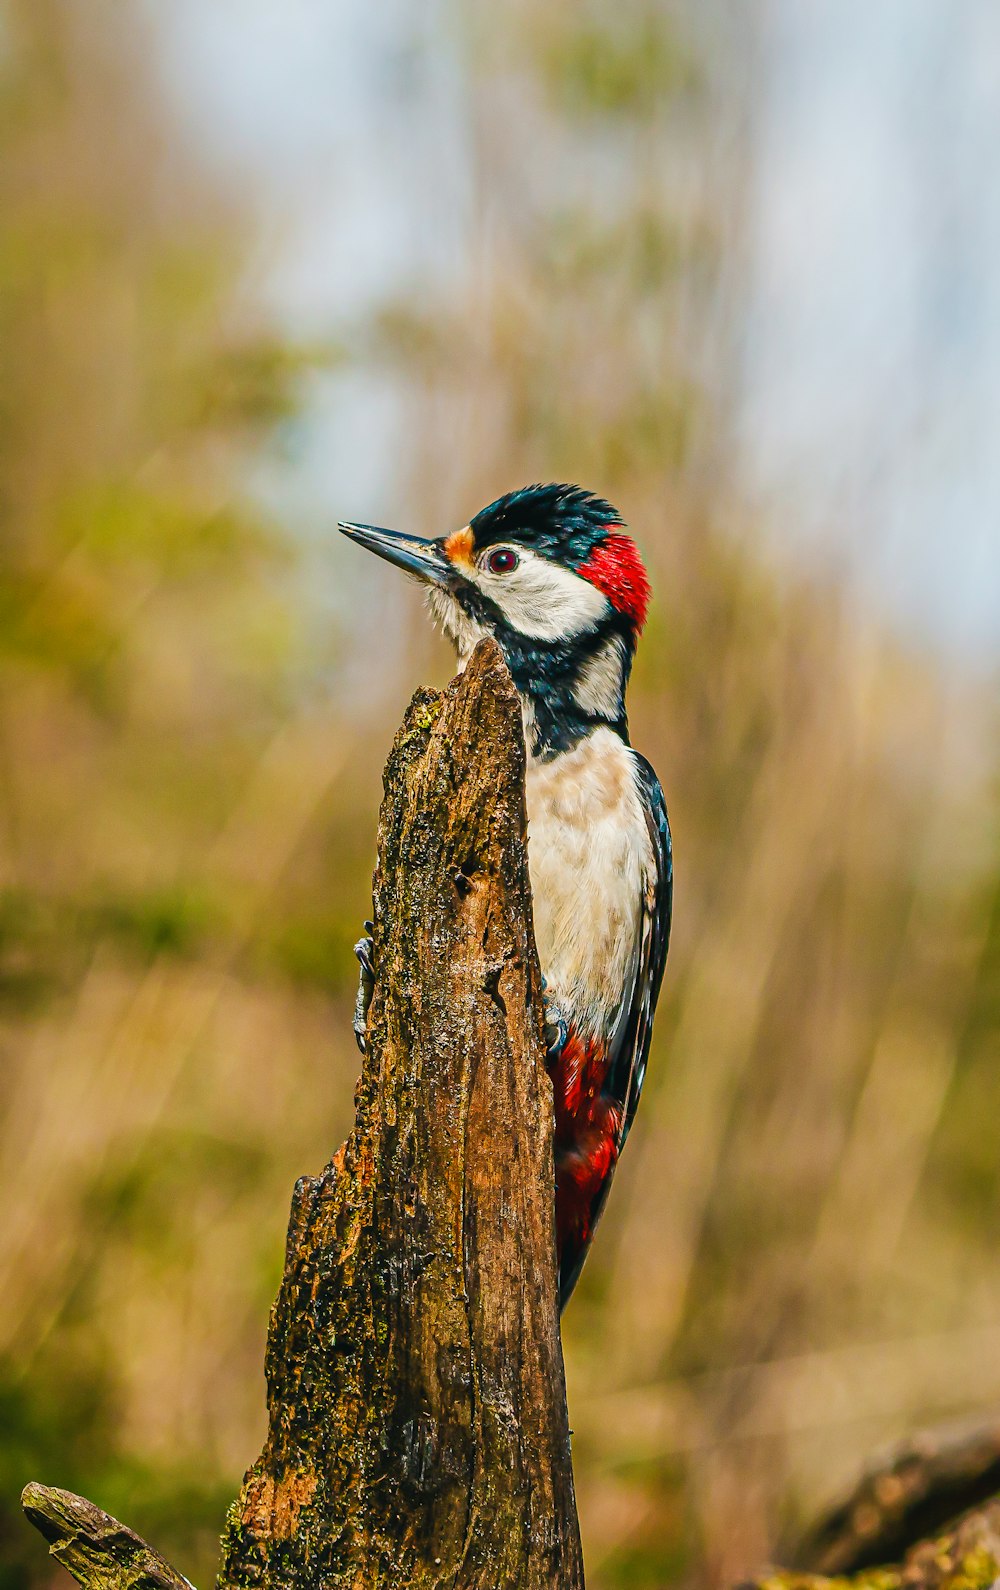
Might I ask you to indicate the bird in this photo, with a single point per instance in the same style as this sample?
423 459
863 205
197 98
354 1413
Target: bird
552 573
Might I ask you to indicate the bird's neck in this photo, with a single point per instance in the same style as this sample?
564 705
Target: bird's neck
567 693
568 689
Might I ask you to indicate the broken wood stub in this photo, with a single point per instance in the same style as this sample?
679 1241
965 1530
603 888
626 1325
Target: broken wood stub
94 1547
418 1433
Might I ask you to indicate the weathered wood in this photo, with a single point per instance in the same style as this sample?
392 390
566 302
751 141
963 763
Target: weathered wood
418 1430
94 1547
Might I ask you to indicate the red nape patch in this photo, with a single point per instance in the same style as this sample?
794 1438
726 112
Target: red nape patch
616 568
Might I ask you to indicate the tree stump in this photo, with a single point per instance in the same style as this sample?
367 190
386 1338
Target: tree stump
418 1432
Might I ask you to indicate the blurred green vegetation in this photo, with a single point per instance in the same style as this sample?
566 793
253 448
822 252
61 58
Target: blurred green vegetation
797 1261
150 918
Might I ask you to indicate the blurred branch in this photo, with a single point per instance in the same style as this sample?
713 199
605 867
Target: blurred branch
908 1493
418 1425
967 1557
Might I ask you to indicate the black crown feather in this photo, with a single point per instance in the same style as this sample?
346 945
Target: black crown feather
559 521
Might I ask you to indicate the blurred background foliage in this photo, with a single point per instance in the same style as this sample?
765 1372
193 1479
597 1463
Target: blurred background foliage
799 1260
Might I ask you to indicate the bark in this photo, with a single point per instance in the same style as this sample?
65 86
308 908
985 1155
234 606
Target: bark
418 1432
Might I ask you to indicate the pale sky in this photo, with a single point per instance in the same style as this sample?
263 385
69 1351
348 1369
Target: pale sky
869 374
870 416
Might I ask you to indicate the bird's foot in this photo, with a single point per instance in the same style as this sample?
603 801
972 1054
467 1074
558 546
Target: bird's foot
364 949
556 1027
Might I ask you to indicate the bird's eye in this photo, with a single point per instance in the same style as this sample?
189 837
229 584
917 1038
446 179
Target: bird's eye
502 561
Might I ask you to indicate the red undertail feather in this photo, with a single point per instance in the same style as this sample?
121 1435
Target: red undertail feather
587 1126
616 568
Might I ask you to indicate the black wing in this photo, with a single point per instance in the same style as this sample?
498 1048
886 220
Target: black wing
631 1050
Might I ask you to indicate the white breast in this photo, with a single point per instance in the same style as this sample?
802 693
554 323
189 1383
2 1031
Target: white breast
589 853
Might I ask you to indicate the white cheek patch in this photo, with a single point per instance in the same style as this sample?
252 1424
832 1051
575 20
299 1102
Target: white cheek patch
598 689
543 601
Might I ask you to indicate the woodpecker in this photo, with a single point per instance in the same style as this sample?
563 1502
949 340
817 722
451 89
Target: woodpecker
553 574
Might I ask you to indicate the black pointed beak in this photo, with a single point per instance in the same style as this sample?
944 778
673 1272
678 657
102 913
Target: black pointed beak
423 558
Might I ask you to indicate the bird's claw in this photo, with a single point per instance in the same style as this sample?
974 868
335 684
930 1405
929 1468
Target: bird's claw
364 949
556 1028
